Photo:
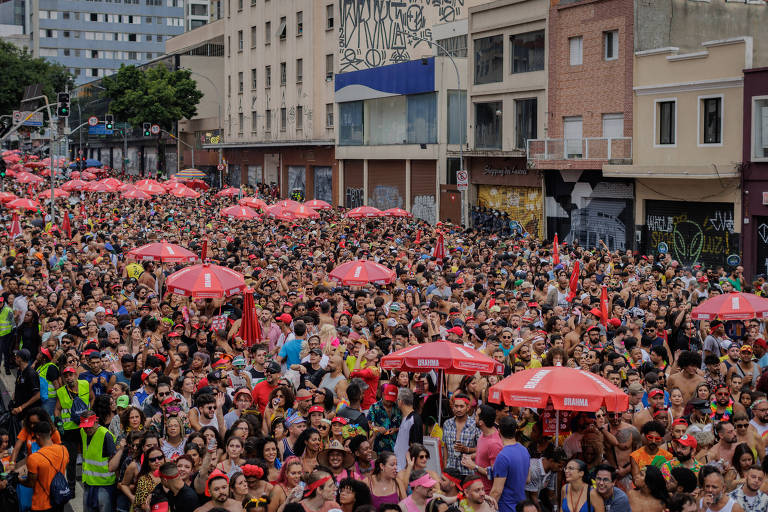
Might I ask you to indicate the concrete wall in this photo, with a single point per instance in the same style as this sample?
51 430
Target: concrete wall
686 23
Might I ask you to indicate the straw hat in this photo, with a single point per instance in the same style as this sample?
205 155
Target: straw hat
335 446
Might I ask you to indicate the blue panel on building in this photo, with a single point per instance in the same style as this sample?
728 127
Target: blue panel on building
412 77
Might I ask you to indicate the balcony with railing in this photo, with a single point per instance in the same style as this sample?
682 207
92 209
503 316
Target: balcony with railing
586 153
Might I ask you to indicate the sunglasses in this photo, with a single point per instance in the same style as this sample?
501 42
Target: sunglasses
742 425
155 459
653 438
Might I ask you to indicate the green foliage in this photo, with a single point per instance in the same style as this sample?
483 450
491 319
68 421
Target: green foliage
21 70
153 95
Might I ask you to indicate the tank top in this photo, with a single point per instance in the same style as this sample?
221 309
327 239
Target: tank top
376 501
287 450
727 508
214 422
584 508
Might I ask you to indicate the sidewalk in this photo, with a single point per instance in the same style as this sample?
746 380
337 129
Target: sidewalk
7 383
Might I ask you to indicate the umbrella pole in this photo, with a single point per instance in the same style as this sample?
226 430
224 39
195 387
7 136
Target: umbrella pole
440 398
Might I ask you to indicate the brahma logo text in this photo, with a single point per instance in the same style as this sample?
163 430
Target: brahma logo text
426 362
578 402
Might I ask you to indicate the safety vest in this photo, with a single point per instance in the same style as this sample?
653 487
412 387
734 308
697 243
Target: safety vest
43 373
65 401
6 321
95 465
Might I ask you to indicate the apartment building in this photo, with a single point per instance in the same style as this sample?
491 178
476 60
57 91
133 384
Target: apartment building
93 39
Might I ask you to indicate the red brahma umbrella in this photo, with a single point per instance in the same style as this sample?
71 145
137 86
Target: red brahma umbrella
57 194
360 272
230 192
317 204
363 212
396 212
74 185
732 306
162 251
303 212
239 212
23 204
136 194
253 202
206 281
7 196
185 192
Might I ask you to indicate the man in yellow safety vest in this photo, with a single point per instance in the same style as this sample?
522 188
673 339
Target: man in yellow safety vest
70 431
6 333
101 460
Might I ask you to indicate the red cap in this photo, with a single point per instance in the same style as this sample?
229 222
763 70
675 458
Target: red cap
215 474
614 322
596 312
760 342
687 440
173 334
533 304
285 318
458 331
317 408
390 392
680 421
339 419
88 421
703 279
170 400
146 373
654 392
69 369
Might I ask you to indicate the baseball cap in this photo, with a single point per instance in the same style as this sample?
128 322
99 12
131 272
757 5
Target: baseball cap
458 331
316 408
273 367
146 373
23 354
687 440
171 399
214 375
339 419
285 318
123 401
69 369
238 361
654 392
243 391
88 419
390 392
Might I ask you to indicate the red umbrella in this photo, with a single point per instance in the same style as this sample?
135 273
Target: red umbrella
150 181
303 212
162 251
23 204
574 283
555 251
231 192
198 184
136 194
317 204
363 212
100 186
15 229
152 189
7 196
74 185
442 355
732 306
113 182
288 203
25 177
184 191
57 194
239 212
439 251
396 212
75 175
279 212
38 165
250 330
360 272
206 281
568 388
253 202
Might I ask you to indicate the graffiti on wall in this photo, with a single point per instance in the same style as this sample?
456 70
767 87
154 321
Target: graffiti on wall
385 197
375 33
524 204
324 184
424 208
353 197
694 232
586 208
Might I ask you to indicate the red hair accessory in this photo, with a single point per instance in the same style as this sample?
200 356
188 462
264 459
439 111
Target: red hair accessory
470 482
461 399
314 485
252 470
214 475
453 480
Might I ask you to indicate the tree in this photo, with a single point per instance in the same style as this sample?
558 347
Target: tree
153 95
21 70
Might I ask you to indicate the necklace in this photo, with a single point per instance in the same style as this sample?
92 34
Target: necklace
572 506
726 415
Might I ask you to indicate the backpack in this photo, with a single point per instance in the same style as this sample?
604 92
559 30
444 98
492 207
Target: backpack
77 409
60 492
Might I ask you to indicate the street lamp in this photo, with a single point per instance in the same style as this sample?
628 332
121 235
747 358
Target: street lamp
464 216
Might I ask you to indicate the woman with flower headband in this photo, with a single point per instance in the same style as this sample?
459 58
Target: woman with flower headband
289 479
255 475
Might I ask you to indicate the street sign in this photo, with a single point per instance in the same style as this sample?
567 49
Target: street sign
462 180
99 129
17 116
663 248
220 167
35 119
155 129
93 120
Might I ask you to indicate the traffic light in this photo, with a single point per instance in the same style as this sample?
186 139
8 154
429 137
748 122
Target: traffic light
63 108
109 121
146 127
2 168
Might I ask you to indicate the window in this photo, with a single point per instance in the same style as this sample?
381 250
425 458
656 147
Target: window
239 40
229 85
527 51
94 71
254 83
148 20
66 52
351 124
488 125
329 67
240 123
666 113
455 46
267 32
94 54
94 17
452 165
489 59
525 121
760 128
299 70
66 33
65 15
283 119
132 37
281 32
299 23
329 17
254 121
283 73
572 130
132 56
299 117
229 45
611 45
240 82
267 121
240 8
457 117
712 120
329 116
422 118
575 44
253 37
267 76
613 126
49 33
199 10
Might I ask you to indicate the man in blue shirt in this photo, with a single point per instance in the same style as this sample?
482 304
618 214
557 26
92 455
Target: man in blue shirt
510 471
614 498
101 381
290 352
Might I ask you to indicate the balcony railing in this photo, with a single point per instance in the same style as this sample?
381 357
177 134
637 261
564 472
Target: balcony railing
590 148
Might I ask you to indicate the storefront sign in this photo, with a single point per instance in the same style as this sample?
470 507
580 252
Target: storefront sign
503 171
765 197
490 171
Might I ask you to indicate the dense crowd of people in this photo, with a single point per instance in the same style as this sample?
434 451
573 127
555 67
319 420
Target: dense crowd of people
154 402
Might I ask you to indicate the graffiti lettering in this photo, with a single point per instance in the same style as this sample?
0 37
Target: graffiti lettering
659 223
385 197
354 197
762 230
722 221
424 208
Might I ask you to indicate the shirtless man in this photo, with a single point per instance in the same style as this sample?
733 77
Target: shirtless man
217 488
688 378
475 498
641 498
655 404
747 435
723 402
714 497
628 438
723 450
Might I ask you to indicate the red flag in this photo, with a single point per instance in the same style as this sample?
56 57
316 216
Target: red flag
204 250
343 243
418 237
439 251
574 283
555 251
15 226
82 210
604 305
65 226
30 191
